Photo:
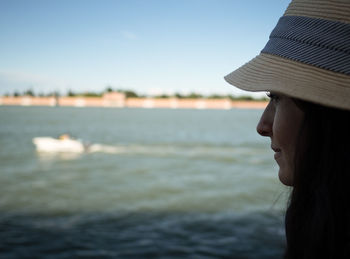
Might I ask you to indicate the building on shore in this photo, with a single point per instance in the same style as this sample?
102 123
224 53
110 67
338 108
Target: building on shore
119 100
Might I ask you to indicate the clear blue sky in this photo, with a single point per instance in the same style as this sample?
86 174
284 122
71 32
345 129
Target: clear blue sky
149 46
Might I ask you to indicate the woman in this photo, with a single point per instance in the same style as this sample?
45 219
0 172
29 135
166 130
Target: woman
305 67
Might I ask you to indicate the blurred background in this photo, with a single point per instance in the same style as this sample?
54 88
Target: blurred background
134 182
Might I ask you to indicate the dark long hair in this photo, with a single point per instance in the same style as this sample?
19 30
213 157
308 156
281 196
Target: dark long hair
318 213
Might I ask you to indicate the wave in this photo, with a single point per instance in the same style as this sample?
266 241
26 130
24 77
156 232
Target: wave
185 150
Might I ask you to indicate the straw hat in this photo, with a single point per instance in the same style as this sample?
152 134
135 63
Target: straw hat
307 56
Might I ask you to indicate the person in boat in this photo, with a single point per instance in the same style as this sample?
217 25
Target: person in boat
64 137
305 68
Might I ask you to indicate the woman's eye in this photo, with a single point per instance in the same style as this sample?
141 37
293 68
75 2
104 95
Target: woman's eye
273 97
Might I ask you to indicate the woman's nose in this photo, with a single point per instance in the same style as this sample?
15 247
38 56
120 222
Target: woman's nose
264 127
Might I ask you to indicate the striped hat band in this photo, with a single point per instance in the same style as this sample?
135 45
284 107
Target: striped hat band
318 42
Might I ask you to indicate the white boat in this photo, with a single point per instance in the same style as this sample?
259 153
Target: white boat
63 144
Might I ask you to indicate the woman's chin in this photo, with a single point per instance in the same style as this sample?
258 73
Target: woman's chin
285 177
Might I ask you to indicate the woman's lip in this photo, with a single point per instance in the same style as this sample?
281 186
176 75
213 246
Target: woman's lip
277 155
277 152
275 149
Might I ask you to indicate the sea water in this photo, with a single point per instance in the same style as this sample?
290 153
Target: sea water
155 183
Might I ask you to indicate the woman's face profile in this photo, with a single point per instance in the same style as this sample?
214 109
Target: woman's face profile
281 122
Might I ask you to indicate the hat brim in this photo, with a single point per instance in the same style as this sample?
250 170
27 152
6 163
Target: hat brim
268 72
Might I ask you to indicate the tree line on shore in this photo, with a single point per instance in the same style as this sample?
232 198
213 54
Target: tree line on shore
133 94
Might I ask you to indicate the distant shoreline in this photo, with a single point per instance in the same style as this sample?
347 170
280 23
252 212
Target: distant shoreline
119 100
